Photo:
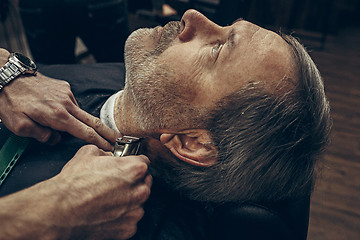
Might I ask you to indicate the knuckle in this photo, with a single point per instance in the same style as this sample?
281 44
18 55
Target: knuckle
67 103
148 180
64 84
142 194
98 123
91 134
4 52
22 127
60 112
129 232
89 148
67 88
139 214
140 169
144 159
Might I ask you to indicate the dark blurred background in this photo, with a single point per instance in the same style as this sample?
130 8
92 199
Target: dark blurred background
102 26
89 31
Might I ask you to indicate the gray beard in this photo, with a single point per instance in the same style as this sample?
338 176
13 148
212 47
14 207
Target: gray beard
137 65
148 87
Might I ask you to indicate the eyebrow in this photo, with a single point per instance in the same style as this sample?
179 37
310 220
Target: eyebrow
231 38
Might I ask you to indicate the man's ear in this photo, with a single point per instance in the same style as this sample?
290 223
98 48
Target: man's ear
192 146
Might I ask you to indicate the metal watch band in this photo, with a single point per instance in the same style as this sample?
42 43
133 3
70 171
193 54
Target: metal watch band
8 72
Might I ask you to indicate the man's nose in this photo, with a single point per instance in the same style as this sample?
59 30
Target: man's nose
195 24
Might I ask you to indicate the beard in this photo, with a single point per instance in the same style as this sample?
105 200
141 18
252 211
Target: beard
158 103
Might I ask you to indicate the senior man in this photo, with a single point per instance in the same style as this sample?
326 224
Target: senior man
238 112
230 114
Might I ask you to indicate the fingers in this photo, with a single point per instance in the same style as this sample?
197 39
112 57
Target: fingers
70 118
136 167
23 126
118 189
85 127
52 105
92 150
71 95
128 225
88 134
148 180
140 195
138 173
84 153
40 133
94 122
138 158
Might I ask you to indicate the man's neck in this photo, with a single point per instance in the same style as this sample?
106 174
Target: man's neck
124 117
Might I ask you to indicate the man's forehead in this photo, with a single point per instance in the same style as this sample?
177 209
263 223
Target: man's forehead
244 29
258 54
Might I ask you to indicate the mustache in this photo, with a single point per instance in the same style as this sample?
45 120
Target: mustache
170 32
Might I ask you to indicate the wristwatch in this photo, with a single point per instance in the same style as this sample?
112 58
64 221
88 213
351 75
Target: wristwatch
17 64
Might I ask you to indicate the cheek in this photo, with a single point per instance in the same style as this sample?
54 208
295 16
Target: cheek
181 81
173 84
191 76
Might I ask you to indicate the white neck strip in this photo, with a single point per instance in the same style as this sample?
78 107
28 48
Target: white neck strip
107 112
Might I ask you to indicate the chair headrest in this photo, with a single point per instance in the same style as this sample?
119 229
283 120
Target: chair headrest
283 220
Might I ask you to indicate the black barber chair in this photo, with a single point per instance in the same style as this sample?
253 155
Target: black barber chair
280 221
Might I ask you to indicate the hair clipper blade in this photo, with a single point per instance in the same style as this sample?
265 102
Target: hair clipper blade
127 145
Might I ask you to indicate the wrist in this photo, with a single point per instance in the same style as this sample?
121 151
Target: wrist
16 65
53 219
4 56
32 214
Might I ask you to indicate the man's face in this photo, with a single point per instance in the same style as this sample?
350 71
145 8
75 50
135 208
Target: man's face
175 71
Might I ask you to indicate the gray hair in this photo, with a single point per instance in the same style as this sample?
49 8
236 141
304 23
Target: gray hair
268 142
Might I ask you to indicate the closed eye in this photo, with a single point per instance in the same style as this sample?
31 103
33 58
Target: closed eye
216 50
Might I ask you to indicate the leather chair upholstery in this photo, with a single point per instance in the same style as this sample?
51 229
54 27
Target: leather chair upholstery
280 221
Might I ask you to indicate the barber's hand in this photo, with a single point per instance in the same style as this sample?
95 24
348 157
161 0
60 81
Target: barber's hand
95 196
39 107
103 195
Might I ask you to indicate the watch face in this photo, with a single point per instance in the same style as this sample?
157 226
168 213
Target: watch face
25 60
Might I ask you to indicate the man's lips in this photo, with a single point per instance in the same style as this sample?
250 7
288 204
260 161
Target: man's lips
160 31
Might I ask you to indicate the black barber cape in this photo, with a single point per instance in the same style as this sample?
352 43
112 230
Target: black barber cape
167 215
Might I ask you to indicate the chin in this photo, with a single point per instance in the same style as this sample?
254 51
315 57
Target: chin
141 41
